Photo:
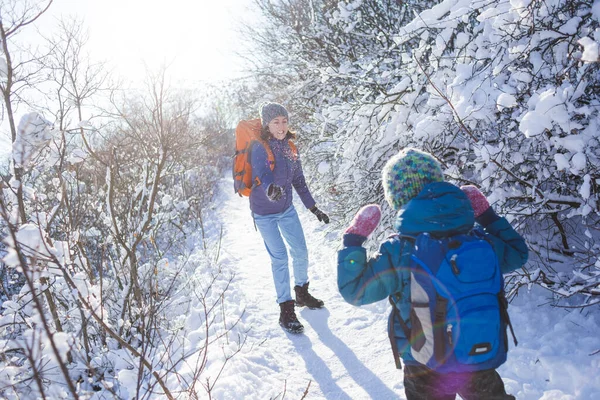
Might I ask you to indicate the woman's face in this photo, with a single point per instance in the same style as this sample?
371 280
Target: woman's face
278 127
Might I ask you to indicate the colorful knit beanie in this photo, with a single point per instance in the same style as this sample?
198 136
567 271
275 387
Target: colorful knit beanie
269 111
407 173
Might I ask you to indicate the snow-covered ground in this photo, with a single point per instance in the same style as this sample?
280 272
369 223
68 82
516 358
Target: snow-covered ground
344 352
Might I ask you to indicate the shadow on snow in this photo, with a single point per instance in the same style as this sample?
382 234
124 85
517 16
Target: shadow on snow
321 373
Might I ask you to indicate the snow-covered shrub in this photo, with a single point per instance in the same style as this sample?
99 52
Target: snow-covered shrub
504 94
100 223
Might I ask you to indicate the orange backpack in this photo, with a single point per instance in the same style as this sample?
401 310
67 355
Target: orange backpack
246 133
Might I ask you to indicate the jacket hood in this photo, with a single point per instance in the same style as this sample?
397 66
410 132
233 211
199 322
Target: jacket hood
441 209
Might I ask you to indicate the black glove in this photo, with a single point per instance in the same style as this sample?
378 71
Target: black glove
274 192
321 216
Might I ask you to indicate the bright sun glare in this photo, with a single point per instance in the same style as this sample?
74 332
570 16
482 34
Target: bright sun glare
195 38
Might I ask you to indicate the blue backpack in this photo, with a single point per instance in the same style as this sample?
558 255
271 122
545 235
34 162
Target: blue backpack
458 309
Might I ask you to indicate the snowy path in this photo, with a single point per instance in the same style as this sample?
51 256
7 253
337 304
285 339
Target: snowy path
344 352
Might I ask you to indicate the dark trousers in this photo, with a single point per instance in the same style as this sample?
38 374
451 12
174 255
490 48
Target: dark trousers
421 383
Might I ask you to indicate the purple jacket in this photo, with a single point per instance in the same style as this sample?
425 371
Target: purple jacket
287 173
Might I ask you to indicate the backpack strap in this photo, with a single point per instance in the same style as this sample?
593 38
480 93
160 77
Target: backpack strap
439 318
294 149
504 315
396 313
270 155
270 158
396 316
403 325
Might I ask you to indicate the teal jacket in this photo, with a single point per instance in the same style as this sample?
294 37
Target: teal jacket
441 209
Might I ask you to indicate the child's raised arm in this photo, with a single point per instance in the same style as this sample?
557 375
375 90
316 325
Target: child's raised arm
510 247
362 280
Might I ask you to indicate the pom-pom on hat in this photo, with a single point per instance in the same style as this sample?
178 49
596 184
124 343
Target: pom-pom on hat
270 111
407 173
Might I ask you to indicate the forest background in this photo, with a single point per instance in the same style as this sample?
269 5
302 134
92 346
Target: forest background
107 185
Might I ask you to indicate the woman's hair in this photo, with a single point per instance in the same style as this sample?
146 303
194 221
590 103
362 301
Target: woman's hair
266 135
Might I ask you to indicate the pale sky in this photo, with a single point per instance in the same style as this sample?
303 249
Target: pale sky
195 38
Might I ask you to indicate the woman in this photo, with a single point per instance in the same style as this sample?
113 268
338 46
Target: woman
275 215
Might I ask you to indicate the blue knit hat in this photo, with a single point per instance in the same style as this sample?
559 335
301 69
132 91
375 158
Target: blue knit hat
270 111
407 173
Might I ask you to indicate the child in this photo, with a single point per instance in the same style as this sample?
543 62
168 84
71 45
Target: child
414 186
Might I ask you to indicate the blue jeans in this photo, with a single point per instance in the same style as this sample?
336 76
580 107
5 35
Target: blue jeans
274 228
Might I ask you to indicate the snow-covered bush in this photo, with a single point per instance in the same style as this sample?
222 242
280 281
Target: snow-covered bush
108 294
109 260
504 94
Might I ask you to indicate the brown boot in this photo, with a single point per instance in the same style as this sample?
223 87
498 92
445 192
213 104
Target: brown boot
303 298
288 319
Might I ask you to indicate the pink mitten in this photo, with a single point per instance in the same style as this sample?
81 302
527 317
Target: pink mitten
477 199
365 221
